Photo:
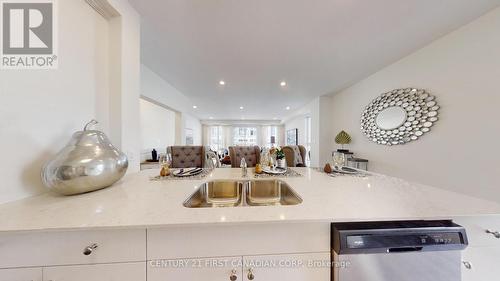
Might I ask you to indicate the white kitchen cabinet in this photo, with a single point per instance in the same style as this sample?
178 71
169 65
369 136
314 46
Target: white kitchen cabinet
292 267
37 249
237 240
481 258
207 269
21 274
481 263
100 272
477 227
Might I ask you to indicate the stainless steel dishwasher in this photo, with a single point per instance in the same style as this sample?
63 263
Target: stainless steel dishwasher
397 251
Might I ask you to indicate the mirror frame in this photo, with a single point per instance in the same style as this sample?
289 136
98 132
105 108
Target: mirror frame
421 113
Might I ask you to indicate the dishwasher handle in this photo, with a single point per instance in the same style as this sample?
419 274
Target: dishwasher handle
404 249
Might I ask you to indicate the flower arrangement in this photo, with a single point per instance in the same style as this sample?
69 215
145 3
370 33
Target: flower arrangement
280 154
277 152
277 157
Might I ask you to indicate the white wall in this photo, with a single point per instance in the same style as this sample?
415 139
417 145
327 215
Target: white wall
297 122
320 113
125 81
39 110
191 122
462 151
323 131
155 88
157 128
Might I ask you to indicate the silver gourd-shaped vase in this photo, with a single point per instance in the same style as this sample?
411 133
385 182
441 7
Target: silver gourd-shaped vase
88 162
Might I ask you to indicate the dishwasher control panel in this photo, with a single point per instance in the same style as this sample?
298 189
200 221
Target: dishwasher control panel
403 240
395 236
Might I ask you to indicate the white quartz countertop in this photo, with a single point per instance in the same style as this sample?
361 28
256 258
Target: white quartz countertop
136 201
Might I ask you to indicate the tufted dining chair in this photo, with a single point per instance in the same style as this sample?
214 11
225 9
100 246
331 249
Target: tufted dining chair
250 153
295 155
187 156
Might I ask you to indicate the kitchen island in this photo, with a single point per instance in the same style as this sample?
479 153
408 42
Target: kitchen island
140 227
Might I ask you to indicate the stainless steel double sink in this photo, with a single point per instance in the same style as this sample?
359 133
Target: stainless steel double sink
229 193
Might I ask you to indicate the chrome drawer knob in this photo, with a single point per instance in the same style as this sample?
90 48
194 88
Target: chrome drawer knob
467 264
88 250
494 233
233 276
250 274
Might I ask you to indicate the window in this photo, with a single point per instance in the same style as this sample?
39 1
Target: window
271 131
245 136
216 138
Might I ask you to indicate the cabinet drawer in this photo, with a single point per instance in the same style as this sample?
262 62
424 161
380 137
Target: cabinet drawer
21 274
64 248
476 230
238 240
195 269
100 272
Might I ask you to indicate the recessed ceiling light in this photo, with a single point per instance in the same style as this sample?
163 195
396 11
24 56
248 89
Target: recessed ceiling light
222 82
241 107
287 108
283 83
195 107
210 118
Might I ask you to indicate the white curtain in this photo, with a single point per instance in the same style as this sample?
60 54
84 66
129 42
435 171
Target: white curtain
206 135
227 136
264 136
280 138
265 133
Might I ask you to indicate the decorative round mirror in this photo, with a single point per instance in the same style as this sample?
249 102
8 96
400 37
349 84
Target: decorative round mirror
399 116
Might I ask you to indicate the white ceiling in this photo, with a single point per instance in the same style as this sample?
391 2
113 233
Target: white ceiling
317 46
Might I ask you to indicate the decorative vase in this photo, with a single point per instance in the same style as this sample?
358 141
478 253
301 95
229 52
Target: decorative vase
281 163
89 162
